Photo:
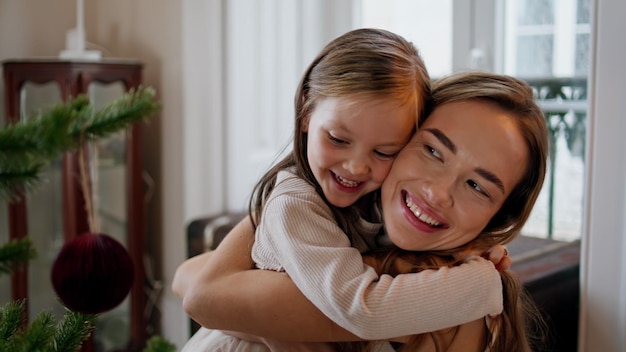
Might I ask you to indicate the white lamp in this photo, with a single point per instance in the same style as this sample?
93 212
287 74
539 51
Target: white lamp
75 40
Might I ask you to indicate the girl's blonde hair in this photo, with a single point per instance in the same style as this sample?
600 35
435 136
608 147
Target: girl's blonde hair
363 62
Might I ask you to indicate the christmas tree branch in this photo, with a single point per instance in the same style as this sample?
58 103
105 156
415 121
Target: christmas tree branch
159 344
27 146
11 316
133 107
14 252
39 333
42 334
74 329
44 135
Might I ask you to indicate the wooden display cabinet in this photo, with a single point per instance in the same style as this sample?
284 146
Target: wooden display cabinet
55 212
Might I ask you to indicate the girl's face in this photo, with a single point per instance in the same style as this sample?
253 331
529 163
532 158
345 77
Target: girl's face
352 143
453 176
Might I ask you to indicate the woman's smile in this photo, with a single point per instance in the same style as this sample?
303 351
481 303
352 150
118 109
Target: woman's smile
420 212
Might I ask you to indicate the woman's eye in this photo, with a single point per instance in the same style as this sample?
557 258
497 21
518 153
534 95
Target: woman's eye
477 187
432 151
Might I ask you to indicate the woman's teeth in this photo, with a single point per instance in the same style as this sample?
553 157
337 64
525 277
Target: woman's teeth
418 213
345 182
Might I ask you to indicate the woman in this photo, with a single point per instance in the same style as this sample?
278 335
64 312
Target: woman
467 181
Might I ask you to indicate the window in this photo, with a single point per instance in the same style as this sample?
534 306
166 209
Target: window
545 42
547 38
428 24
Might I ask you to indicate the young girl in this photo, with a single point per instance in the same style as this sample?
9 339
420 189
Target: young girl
318 208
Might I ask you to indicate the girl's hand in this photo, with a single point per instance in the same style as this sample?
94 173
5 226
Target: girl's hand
499 256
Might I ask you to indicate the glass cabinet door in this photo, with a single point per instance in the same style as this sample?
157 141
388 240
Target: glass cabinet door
108 157
107 162
45 229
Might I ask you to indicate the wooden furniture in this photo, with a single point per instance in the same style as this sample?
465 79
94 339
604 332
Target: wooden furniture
121 195
550 272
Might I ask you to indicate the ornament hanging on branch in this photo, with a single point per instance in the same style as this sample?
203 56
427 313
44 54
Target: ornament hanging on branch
93 272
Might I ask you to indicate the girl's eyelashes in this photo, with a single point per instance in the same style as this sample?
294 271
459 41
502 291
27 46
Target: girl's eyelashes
379 153
336 140
385 155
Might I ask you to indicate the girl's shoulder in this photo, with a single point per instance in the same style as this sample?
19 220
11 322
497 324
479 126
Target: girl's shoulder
287 182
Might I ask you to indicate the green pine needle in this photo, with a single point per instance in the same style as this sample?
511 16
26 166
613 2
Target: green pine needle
42 334
39 333
75 328
16 182
27 146
44 135
159 344
11 318
134 106
14 252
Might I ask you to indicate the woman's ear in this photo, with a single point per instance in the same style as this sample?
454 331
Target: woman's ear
304 127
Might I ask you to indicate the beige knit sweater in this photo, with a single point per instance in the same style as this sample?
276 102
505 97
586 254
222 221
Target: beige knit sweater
297 234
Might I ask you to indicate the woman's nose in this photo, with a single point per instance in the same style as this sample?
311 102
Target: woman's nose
439 192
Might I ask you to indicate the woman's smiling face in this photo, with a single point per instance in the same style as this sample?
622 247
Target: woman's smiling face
453 176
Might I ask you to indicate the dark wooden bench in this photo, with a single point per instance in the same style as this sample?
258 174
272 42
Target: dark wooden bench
549 271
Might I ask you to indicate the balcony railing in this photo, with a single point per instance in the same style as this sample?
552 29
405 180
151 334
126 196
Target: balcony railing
564 102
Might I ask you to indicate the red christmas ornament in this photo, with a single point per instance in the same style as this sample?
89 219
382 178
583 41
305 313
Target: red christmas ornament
93 273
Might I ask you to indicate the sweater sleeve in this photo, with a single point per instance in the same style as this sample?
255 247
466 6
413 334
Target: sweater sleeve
300 233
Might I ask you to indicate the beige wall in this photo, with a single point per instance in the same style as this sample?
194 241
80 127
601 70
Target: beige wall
26 32
148 30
